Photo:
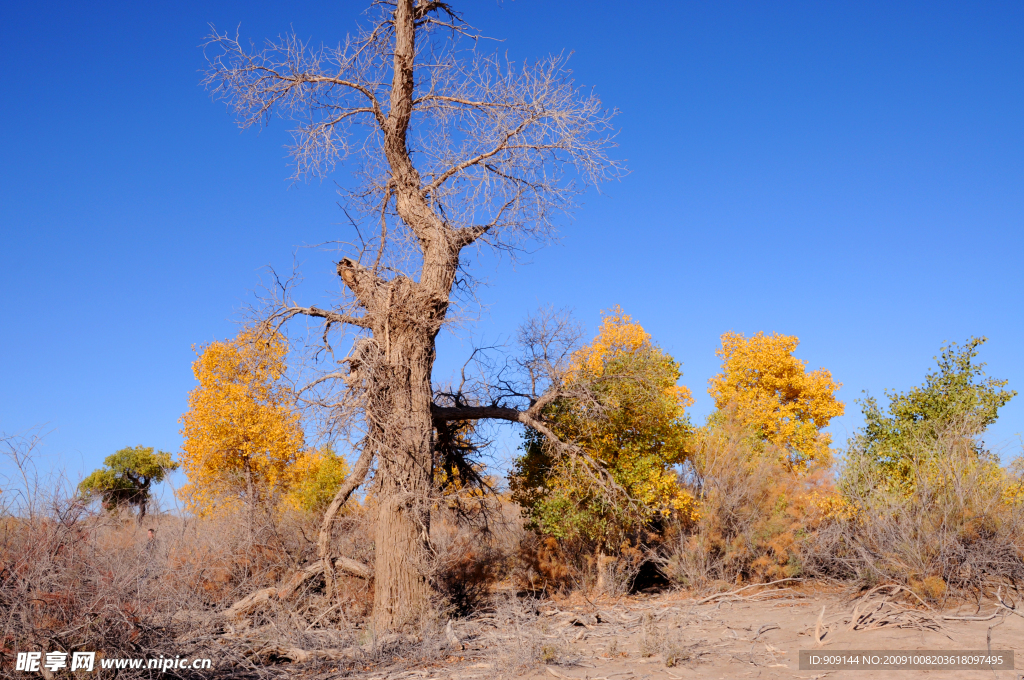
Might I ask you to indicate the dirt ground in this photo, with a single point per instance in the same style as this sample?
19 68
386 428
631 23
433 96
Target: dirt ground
739 635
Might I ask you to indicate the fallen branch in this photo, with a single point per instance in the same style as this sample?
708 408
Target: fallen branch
297 580
711 598
973 618
250 602
303 655
323 543
342 564
1012 607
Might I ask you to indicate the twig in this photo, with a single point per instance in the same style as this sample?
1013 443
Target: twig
319 618
818 637
765 628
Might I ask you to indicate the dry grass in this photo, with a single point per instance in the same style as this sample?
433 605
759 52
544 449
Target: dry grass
74 578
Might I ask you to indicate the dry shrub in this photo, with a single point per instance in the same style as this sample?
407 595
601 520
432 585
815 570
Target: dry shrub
63 591
541 565
952 521
525 643
548 565
754 511
473 548
220 558
652 638
74 579
545 564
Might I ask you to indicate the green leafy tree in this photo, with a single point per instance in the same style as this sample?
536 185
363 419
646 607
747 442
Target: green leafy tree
637 430
314 478
956 397
126 478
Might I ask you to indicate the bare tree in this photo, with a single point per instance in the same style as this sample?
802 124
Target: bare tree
453 148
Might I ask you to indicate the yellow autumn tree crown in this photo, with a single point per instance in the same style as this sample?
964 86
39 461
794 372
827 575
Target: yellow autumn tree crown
638 433
773 392
241 432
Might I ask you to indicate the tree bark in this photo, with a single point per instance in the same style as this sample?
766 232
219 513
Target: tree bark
404 472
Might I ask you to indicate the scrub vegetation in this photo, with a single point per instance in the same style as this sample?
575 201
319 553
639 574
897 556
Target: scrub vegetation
341 512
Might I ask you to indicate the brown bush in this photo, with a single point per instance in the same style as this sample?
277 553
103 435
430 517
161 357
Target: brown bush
64 592
72 579
473 549
754 512
548 565
541 565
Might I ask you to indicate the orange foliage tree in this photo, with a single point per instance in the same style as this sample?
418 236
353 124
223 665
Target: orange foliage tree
241 432
775 395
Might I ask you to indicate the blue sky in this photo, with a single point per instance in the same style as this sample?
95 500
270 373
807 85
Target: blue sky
850 173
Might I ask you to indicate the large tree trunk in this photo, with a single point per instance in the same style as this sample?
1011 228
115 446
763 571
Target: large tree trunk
407 317
402 586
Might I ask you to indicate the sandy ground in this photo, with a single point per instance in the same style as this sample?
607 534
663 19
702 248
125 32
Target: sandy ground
733 636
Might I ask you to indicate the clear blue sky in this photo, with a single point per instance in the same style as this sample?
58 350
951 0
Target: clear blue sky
850 173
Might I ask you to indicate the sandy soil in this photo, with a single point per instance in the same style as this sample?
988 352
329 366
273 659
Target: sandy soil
731 636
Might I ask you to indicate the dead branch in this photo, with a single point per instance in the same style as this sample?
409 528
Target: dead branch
345 565
349 485
730 593
294 583
305 655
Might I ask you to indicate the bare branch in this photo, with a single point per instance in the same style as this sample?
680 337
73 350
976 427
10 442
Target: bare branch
349 485
598 474
331 317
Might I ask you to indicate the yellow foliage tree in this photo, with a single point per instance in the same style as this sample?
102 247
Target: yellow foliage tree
241 433
774 394
639 438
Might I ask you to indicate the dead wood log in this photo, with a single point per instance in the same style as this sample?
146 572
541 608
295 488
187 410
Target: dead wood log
304 655
343 564
250 601
296 581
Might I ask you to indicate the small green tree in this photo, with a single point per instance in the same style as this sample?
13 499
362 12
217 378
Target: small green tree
956 396
126 477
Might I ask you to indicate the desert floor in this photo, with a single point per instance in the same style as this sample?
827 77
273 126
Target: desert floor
757 634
